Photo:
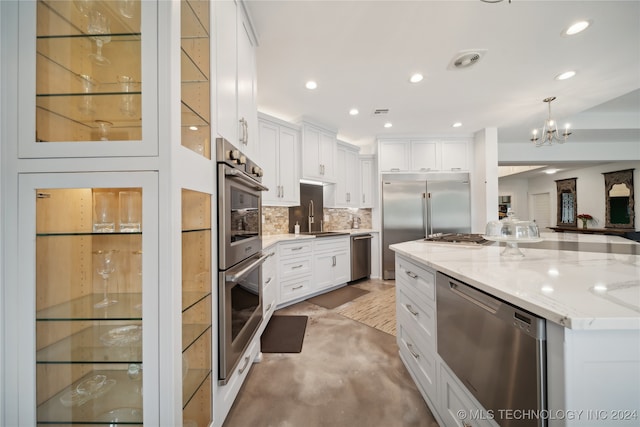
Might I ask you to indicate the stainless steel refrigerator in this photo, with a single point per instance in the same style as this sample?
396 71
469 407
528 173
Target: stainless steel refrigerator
416 205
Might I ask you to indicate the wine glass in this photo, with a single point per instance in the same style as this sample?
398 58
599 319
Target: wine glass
104 127
105 266
126 102
100 27
88 85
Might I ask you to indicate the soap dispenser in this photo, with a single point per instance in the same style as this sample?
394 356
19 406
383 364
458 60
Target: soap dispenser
296 228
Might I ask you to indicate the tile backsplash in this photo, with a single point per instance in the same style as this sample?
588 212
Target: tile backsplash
276 219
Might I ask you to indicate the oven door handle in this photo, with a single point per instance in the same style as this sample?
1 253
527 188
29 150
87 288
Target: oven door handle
237 275
235 173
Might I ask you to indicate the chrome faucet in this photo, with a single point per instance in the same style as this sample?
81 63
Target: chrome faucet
310 214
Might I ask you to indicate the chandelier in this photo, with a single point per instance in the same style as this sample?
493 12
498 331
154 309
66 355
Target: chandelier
550 130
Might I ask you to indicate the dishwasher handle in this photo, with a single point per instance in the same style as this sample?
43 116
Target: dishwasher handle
483 301
366 237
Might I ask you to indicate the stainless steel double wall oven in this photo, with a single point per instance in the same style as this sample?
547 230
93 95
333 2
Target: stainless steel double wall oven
239 255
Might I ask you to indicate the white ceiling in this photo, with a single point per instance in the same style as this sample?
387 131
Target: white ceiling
362 53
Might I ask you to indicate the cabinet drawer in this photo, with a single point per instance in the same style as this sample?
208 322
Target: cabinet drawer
294 267
294 288
417 315
324 244
421 361
229 391
295 249
421 280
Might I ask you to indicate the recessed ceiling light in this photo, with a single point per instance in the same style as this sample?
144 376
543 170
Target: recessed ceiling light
456 125
576 28
311 85
550 171
388 124
193 127
566 75
417 77
354 112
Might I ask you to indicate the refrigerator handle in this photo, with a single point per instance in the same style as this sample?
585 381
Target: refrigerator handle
425 215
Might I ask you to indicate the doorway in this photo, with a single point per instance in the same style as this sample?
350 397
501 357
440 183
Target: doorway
541 210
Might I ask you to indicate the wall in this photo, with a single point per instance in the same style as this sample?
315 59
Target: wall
484 179
590 190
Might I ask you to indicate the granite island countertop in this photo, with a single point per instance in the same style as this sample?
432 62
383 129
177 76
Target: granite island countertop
597 288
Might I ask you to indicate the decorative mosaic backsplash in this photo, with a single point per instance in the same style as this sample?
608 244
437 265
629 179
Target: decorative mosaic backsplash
276 219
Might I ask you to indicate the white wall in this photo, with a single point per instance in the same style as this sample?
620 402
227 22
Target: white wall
484 179
589 188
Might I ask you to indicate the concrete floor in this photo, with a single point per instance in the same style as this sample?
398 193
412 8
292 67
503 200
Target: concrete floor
348 374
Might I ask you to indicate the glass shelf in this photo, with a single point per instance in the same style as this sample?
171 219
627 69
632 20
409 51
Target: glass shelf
194 379
119 401
191 332
82 233
97 344
128 308
189 299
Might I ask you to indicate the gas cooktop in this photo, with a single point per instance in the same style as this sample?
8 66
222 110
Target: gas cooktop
457 238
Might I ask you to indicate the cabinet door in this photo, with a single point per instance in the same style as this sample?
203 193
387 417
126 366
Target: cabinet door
288 168
455 156
94 287
247 113
425 156
226 70
311 167
342 269
326 153
352 174
269 147
88 79
366 182
394 156
341 187
324 266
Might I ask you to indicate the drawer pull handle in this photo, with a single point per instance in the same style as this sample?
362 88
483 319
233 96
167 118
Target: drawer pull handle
269 307
297 287
412 274
297 266
268 281
297 248
413 353
411 310
246 362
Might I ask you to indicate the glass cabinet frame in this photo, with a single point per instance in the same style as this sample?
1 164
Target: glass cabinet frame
28 147
28 184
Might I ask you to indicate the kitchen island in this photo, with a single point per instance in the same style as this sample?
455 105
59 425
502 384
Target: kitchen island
587 287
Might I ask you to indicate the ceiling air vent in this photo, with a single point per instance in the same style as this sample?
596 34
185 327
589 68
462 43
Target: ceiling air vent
380 111
466 59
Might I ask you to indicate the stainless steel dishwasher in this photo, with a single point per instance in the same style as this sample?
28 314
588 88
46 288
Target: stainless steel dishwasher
497 350
360 256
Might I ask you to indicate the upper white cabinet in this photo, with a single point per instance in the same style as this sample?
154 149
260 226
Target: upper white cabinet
367 179
345 192
318 153
424 155
394 155
279 148
236 77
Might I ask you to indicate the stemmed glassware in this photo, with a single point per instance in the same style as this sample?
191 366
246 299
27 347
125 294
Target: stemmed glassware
88 85
126 102
105 266
100 28
104 126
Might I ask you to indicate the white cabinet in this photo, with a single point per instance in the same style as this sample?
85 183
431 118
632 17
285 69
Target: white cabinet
295 269
318 153
278 158
424 155
270 290
455 400
367 180
345 192
394 155
236 77
455 155
332 263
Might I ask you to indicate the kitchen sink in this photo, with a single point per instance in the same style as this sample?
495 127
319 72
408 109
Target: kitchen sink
325 233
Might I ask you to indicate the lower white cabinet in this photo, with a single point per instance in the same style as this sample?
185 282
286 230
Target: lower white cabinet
332 263
294 269
270 289
451 403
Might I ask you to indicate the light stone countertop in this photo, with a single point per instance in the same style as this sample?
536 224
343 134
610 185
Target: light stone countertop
576 289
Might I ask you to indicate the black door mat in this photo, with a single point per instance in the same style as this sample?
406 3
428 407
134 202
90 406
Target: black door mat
284 334
338 297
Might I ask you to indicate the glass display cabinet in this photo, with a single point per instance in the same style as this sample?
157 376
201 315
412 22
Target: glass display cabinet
196 308
91 63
